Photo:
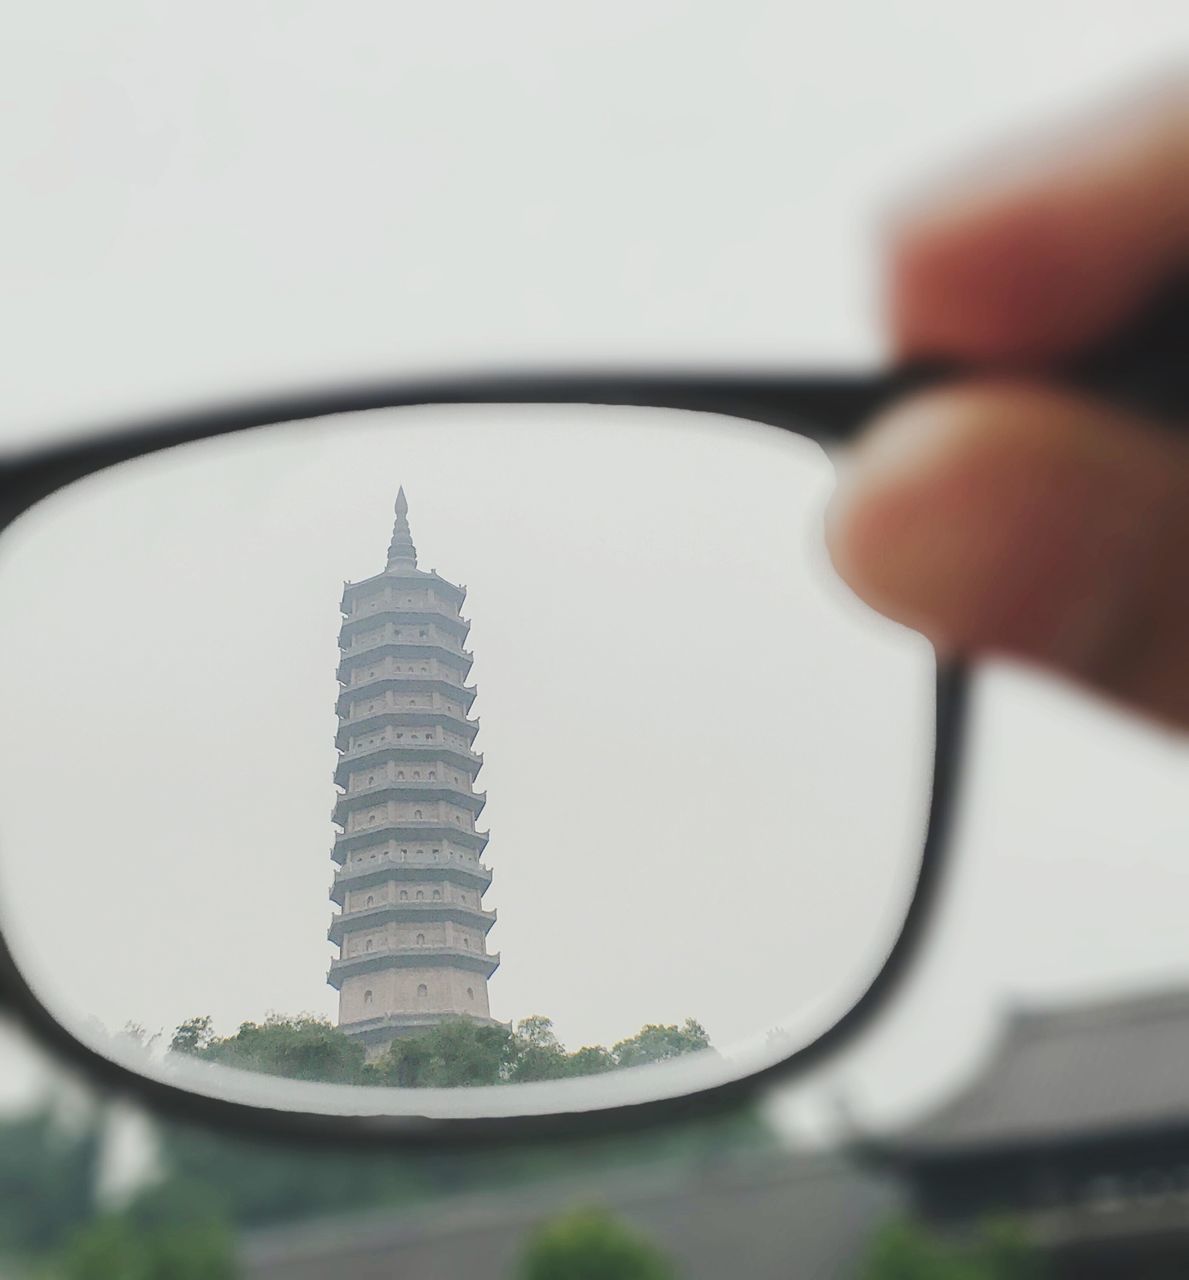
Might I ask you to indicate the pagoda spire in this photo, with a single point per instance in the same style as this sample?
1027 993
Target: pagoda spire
401 549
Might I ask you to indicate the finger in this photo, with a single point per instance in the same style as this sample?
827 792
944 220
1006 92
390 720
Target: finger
1005 517
1051 248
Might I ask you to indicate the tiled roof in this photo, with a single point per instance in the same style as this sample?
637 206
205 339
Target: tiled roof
1072 1073
765 1218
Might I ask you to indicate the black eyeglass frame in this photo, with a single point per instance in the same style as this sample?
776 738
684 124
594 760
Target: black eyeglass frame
825 409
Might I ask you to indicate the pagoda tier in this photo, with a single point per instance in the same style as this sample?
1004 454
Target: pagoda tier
423 957
388 622
381 868
432 660
404 832
402 685
371 596
382 912
407 751
352 806
386 722
412 930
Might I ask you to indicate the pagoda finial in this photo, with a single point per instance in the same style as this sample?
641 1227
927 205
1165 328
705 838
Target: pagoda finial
401 550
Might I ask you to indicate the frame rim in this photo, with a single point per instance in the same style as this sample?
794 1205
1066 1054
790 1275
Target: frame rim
825 409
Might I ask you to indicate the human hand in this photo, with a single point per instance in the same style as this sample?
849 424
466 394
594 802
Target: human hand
1006 514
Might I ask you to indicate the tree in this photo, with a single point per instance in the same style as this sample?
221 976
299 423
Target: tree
589 1244
537 1052
591 1060
301 1048
408 1062
661 1043
1005 1249
903 1251
908 1251
456 1052
193 1036
119 1248
47 1179
252 1183
207 1178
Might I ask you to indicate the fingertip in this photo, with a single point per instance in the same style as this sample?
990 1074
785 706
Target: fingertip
1009 517
990 283
1045 249
898 486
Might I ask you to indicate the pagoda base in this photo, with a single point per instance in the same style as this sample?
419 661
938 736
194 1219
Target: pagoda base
378 1033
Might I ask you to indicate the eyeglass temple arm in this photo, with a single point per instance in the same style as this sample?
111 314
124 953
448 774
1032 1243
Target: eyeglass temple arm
1145 367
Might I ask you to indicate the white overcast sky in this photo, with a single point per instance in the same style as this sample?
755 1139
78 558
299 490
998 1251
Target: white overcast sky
248 195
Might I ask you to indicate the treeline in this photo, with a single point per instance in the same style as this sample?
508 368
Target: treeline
457 1052
210 1185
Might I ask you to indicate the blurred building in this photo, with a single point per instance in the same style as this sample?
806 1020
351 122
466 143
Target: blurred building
763 1218
412 930
1078 1128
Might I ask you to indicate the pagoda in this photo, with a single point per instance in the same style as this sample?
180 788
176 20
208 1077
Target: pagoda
412 929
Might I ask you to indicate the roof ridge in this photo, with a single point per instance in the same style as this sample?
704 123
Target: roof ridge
1084 1041
477 1209
1121 1006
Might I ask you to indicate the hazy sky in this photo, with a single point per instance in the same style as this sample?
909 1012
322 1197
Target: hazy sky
239 197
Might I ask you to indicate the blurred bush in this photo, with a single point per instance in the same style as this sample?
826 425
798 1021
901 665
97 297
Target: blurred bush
208 1186
122 1247
906 1250
589 1244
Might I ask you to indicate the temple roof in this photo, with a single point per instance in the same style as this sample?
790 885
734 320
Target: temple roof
766 1216
1073 1073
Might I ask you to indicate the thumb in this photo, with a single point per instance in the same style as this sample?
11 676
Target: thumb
1009 517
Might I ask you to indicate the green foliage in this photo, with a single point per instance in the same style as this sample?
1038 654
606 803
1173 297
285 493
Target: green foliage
47 1176
1005 1249
591 1060
118 1247
537 1054
903 1251
253 1183
462 1052
193 1036
300 1048
907 1251
589 1244
213 1183
457 1052
211 1177
659 1044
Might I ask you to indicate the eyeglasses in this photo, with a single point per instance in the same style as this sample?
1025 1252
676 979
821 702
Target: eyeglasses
691 848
